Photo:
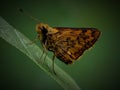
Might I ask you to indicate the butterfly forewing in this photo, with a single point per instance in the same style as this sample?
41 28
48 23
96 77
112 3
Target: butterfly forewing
70 43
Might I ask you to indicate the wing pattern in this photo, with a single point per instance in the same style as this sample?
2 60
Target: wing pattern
70 43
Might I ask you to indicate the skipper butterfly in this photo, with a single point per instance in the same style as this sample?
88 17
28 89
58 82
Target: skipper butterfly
67 44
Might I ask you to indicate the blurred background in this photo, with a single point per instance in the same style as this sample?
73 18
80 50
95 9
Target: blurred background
98 69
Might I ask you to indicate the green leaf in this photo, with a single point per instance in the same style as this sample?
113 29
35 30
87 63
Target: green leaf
18 40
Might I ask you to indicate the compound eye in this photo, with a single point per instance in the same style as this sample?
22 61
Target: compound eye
38 29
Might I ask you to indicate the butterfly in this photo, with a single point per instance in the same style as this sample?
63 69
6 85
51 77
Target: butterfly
67 44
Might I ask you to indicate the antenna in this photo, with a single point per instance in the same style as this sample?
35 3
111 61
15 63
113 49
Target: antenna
27 14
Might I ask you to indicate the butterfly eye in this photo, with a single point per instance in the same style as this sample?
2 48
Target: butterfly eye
38 29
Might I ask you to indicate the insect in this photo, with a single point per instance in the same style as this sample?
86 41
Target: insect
67 44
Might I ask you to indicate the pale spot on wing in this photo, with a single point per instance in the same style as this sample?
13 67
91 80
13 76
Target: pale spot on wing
69 52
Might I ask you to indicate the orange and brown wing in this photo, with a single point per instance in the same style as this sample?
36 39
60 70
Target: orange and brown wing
72 42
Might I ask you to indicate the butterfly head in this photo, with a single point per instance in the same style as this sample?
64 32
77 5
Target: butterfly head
42 30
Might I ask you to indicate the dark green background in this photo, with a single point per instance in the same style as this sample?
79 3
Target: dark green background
98 69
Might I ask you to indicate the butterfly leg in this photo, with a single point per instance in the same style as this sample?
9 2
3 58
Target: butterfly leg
30 43
44 52
42 55
45 55
53 59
